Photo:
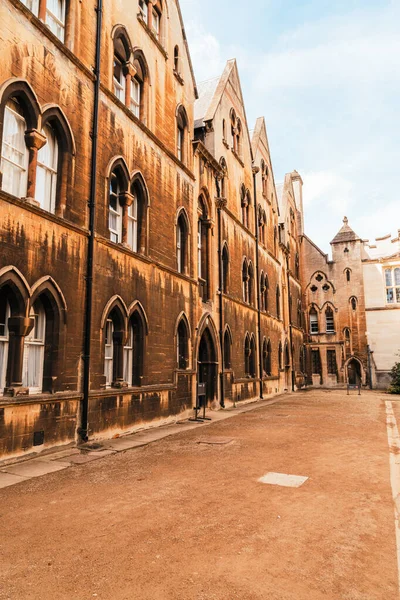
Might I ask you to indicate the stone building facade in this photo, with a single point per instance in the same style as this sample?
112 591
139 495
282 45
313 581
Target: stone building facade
381 275
149 263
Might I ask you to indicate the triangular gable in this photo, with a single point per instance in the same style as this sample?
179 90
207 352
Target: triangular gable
185 42
260 138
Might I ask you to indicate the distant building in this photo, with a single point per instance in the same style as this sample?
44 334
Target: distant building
381 274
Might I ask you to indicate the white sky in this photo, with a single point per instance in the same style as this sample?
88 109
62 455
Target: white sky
326 76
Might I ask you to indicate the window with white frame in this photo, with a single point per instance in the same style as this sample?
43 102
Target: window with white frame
14 152
4 345
128 354
115 210
330 323
119 79
109 352
144 10
133 225
135 96
55 17
392 285
33 5
313 321
199 247
156 23
46 176
180 143
32 373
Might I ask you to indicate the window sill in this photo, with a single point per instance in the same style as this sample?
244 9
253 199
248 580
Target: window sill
152 36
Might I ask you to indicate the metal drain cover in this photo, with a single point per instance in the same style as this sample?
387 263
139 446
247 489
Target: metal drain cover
217 441
283 480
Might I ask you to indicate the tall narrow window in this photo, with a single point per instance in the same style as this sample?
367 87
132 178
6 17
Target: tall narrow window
133 224
266 291
353 302
119 79
297 266
244 202
348 274
139 193
136 325
14 152
4 337
227 350
144 10
135 96
313 320
269 359
315 362
347 342
280 356
55 17
225 269
47 166
251 283
223 130
115 209
278 302
109 352
252 360
262 291
330 323
331 362
33 5
275 241
182 124
181 244
245 281
202 249
32 375
156 23
247 356
182 346
177 60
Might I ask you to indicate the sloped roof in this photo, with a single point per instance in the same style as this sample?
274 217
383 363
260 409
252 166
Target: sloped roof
206 91
345 234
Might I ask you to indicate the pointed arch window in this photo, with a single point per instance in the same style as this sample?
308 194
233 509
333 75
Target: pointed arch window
109 352
329 320
134 351
14 152
278 302
245 281
182 244
264 177
47 167
244 203
140 205
313 321
267 358
280 362
115 208
297 266
262 291
225 269
348 275
182 127
133 224
33 365
353 302
252 358
251 283
182 345
4 340
227 350
203 249
247 356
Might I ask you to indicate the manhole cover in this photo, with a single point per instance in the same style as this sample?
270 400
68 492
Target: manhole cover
218 441
283 479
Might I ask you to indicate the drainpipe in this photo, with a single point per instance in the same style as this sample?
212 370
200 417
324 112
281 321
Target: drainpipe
83 430
220 202
290 323
260 369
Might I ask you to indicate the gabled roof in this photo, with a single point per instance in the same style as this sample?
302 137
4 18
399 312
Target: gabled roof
211 91
206 90
259 137
345 234
187 49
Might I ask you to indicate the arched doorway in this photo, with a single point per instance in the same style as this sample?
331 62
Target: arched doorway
353 372
207 365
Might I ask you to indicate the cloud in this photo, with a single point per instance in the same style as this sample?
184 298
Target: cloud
328 189
205 51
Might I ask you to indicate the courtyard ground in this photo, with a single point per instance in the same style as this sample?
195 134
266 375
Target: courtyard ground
183 520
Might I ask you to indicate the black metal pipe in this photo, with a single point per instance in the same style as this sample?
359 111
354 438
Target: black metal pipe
260 365
290 322
83 429
220 293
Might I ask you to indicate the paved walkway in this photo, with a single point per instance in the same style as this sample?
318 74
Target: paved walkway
187 517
